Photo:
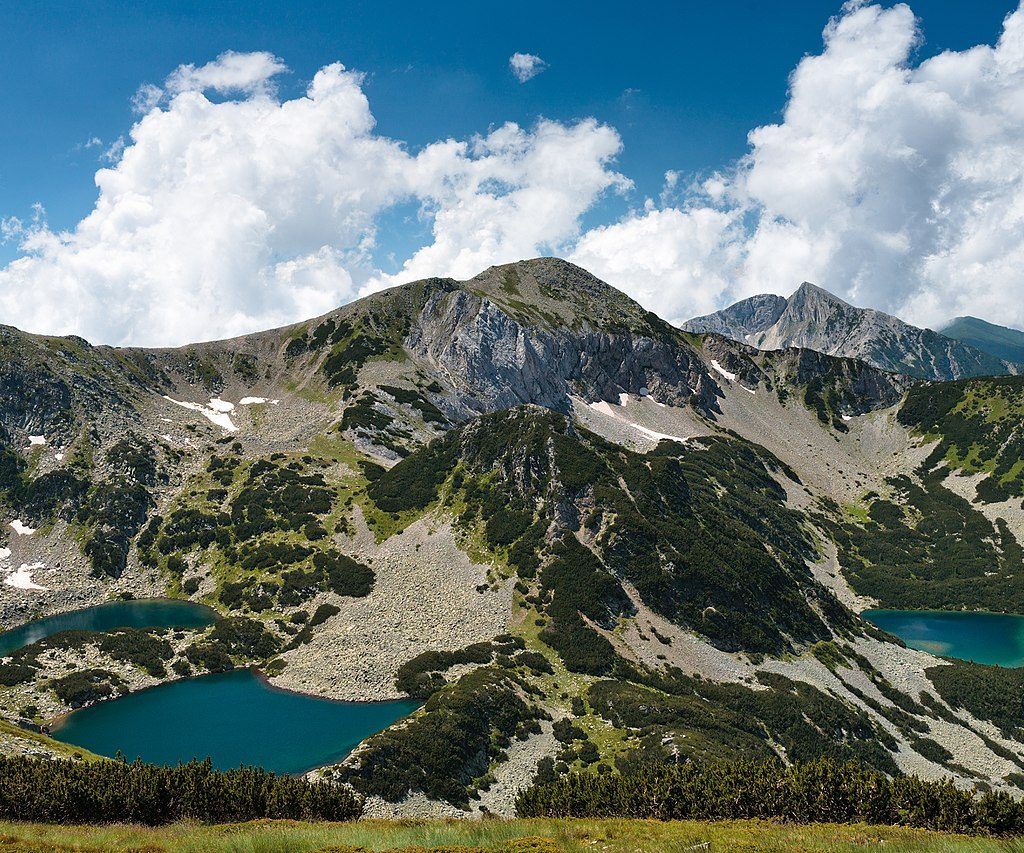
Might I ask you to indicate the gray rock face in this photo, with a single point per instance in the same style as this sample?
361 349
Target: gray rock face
746 317
495 359
815 319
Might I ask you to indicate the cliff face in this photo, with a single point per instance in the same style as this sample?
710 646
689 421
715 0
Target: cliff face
813 318
494 361
741 320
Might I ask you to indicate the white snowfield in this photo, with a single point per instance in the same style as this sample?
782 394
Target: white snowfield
21 528
718 368
219 411
215 412
22 579
219 405
5 554
730 376
36 440
606 409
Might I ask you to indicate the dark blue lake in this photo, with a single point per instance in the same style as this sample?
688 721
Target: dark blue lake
992 638
235 718
143 613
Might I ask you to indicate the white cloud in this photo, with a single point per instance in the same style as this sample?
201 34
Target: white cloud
230 72
526 66
897 186
220 218
675 262
511 195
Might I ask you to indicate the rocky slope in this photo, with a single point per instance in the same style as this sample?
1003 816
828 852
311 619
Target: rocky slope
813 318
583 537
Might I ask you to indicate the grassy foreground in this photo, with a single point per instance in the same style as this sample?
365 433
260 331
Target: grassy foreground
516 836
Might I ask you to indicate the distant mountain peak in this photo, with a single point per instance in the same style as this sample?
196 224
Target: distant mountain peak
812 292
817 319
1000 341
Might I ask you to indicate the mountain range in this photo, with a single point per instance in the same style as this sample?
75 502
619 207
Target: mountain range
816 319
582 537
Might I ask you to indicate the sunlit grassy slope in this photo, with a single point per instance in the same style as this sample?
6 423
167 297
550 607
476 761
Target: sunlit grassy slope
520 836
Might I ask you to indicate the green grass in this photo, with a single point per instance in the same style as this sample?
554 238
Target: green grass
66 750
528 836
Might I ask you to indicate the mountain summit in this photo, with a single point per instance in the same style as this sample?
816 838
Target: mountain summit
813 318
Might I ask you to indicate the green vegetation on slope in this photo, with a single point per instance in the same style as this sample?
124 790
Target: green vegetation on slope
686 525
675 718
268 525
445 751
927 547
1000 341
979 424
112 791
491 836
822 790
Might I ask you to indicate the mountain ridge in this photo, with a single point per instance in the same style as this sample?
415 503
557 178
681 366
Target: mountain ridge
1001 341
534 506
815 318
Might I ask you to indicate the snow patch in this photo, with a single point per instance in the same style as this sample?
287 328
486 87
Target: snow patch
730 376
255 401
605 409
5 554
34 440
749 390
218 416
22 579
623 399
657 436
847 417
59 457
21 528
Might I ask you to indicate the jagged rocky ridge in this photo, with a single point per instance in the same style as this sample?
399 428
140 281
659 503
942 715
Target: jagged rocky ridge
813 318
583 537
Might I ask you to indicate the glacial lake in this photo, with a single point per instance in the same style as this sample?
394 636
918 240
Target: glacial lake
235 718
992 638
141 613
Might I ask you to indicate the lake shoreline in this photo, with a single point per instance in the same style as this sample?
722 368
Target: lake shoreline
97 617
188 720
979 636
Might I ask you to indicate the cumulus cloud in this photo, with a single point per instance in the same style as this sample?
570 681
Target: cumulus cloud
898 186
219 218
526 66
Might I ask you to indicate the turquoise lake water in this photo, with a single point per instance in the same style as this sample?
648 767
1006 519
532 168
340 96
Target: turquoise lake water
234 718
992 638
143 613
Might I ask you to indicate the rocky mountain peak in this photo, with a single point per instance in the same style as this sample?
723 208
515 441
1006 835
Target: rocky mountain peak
553 292
810 294
816 319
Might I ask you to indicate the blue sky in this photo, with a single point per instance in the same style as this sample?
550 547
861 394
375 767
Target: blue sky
682 84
